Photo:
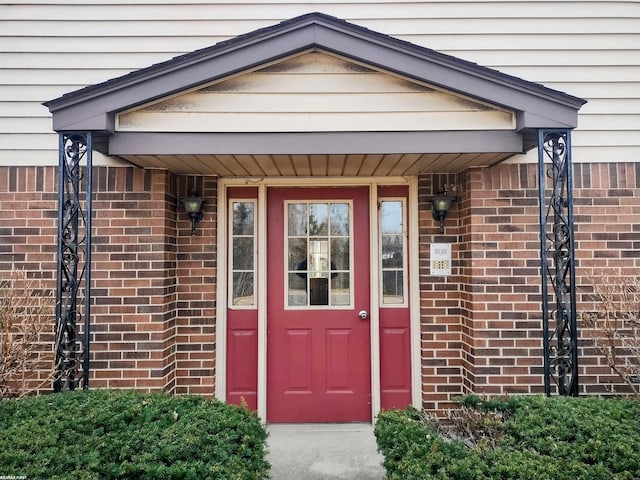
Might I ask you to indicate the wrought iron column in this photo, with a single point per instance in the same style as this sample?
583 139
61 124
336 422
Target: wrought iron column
558 263
74 260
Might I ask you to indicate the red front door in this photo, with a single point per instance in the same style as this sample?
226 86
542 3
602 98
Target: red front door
318 347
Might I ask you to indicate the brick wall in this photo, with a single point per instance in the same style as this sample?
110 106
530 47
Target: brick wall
154 287
196 286
607 215
154 290
500 241
490 305
134 279
28 240
28 219
441 328
153 284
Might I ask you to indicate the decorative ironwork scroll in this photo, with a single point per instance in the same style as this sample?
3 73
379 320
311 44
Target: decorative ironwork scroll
74 260
558 264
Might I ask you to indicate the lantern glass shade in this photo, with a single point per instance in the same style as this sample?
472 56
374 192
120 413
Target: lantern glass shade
441 203
192 204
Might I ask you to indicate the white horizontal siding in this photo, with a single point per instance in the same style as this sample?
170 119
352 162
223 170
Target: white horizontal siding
614 106
502 26
451 43
313 122
599 90
586 48
314 92
273 9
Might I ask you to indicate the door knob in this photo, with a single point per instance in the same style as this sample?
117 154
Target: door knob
363 314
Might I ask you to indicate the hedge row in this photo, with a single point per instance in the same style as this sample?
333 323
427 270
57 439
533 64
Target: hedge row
101 434
544 438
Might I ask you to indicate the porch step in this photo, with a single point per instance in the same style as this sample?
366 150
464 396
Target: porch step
324 451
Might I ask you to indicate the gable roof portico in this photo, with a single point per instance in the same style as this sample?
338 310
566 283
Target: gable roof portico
417 148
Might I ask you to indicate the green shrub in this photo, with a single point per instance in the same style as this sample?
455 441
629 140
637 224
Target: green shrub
544 438
413 449
589 430
101 434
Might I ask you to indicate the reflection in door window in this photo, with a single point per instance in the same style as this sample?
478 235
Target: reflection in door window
393 248
242 253
318 254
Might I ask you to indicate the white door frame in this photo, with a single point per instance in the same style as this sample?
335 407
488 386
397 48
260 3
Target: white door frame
261 281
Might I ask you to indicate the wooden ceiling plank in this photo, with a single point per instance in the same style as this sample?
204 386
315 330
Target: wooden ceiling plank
203 167
152 161
352 165
179 164
285 165
136 160
336 165
389 161
213 163
370 164
319 165
301 165
404 163
422 163
249 163
446 163
230 161
268 165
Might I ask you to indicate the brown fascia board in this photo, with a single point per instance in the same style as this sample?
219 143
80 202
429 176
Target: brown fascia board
93 107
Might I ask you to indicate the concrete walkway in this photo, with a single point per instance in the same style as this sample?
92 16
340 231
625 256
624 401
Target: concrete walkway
324 451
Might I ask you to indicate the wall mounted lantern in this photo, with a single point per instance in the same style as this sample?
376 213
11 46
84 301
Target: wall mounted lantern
441 204
193 206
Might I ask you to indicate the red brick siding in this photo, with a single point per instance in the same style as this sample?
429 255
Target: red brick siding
134 284
441 329
494 229
607 243
154 290
153 285
28 236
196 286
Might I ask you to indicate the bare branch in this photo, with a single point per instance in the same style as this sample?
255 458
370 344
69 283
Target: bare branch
614 325
26 317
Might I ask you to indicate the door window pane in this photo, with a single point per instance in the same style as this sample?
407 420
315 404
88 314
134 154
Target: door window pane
297 219
243 222
340 291
318 259
318 219
340 219
392 216
298 254
318 254
242 268
392 287
340 254
297 291
243 288
392 251
243 253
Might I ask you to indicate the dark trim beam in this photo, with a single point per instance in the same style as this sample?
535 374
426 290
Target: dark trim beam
155 143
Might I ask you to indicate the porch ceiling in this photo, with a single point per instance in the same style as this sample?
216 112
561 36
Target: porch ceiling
318 165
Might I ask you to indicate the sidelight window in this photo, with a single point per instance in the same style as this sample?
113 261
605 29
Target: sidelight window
393 248
243 257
